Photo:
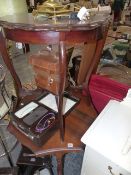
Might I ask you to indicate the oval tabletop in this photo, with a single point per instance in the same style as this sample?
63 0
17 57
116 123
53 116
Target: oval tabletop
29 22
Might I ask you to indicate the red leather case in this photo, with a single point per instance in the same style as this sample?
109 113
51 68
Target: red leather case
103 89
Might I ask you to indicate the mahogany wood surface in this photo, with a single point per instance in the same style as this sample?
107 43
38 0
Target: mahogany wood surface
27 29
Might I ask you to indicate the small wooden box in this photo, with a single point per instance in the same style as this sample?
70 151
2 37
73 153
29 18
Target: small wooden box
46 68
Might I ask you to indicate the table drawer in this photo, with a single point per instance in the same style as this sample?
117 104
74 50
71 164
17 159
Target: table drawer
97 164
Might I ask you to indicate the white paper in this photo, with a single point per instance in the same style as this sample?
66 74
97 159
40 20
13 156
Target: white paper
83 13
26 109
50 102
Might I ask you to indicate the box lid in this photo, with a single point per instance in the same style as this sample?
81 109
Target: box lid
110 134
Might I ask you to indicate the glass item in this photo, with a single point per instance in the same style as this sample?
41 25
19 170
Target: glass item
10 7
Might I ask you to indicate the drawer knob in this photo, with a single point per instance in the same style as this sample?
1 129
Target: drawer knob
110 169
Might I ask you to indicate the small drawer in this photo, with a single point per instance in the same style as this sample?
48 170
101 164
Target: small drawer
97 164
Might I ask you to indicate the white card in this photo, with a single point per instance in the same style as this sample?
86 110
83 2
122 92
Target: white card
26 109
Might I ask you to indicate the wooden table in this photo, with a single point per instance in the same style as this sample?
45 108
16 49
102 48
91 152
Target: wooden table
76 124
27 29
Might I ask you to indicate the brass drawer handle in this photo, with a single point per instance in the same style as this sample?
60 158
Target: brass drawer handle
110 169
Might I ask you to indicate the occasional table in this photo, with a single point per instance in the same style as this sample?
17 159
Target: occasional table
27 29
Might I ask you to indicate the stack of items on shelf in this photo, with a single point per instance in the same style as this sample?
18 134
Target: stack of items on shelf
117 46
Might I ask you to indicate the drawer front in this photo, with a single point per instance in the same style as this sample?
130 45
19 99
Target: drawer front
96 164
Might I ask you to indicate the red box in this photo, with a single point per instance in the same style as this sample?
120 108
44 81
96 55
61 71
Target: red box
103 89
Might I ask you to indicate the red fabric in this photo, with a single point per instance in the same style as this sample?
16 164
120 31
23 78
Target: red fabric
102 89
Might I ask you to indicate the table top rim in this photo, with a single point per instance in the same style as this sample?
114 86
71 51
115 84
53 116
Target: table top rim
29 23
